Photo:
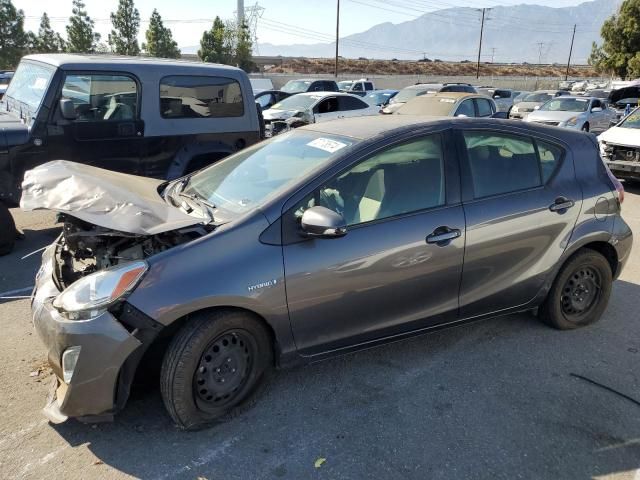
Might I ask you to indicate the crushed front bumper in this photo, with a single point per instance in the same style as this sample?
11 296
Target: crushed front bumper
105 344
624 169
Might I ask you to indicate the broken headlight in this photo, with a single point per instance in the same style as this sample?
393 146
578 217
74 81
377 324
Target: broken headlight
91 295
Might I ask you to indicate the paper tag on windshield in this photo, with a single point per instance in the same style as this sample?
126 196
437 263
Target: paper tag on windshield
327 144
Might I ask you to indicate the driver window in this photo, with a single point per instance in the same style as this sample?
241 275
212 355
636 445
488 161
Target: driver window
328 105
466 109
401 179
101 97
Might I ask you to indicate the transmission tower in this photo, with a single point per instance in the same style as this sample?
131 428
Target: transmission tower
251 16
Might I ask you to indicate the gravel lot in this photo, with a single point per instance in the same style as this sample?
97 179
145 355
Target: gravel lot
497 399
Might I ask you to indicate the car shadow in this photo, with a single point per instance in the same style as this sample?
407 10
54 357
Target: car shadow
503 398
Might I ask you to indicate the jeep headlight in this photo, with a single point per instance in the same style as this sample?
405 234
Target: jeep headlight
91 295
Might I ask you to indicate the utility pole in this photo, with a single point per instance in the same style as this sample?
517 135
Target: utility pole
566 76
240 13
540 47
480 44
493 53
337 34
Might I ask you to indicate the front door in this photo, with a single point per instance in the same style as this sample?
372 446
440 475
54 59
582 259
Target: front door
399 266
521 202
327 109
106 131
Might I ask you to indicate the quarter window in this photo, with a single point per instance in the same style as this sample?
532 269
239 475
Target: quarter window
501 163
402 179
200 97
102 97
549 159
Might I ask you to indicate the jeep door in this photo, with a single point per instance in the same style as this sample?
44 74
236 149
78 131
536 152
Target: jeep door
521 202
106 131
399 266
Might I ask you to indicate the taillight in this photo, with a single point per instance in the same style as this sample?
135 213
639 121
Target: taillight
616 183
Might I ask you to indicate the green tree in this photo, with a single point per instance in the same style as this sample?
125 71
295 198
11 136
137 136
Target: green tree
620 49
80 35
215 45
13 39
160 42
123 38
47 41
244 50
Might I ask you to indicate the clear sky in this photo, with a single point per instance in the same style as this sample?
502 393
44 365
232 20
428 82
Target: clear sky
189 18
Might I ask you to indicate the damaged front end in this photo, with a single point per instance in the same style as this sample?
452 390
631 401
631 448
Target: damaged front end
111 224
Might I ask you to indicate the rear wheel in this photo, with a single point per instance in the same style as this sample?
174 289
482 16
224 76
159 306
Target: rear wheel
580 292
214 368
7 230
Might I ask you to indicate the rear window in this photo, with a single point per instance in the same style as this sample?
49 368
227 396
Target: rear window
200 97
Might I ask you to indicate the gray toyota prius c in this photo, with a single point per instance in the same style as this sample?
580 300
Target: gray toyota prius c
327 239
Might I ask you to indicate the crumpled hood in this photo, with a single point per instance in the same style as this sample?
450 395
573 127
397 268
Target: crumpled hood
552 116
113 200
628 137
272 114
627 92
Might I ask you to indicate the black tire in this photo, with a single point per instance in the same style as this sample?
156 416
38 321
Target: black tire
7 230
580 293
212 349
585 127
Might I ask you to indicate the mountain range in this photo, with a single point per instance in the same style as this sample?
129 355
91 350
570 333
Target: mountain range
518 33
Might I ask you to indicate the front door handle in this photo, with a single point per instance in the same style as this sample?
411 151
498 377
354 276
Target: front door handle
441 236
561 205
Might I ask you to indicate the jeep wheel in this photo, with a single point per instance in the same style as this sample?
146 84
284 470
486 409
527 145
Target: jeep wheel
580 292
214 367
7 230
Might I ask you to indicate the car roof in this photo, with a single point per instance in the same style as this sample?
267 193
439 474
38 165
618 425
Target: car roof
326 94
456 95
77 61
420 86
367 127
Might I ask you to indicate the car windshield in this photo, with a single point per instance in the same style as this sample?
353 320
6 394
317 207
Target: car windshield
29 84
297 102
408 93
538 97
247 179
428 105
566 105
632 120
627 101
377 98
345 85
296 86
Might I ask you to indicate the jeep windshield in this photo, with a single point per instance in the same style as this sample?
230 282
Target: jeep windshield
632 120
28 87
248 179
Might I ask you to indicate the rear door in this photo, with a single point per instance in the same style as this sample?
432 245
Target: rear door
398 268
353 107
521 202
107 131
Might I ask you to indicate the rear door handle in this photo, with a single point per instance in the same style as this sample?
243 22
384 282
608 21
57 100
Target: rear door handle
561 204
441 236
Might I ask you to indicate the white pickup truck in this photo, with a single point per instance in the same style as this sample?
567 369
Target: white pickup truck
357 87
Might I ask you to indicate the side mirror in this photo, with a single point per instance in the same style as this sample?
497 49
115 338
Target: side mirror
537 107
67 109
501 115
320 222
596 109
461 115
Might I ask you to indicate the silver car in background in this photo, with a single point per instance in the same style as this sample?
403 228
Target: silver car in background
533 100
580 113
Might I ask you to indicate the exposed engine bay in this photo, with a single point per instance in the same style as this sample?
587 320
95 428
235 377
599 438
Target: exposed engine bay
84 248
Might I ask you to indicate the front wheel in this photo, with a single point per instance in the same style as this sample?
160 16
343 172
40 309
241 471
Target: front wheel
585 127
7 230
214 367
580 292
